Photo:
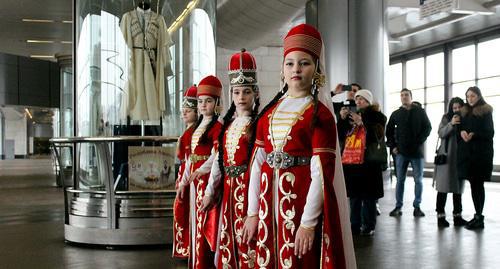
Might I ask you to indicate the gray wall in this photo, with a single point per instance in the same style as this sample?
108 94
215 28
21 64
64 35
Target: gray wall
28 82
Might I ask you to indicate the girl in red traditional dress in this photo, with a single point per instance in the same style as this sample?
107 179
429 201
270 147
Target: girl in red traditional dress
235 144
203 224
293 205
181 206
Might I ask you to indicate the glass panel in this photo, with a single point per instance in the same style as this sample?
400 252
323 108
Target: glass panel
418 96
488 56
435 94
395 77
463 64
490 86
459 89
393 102
434 112
132 67
496 139
435 70
415 74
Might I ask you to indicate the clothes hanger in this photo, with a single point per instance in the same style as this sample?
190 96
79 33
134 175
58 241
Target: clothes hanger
144 4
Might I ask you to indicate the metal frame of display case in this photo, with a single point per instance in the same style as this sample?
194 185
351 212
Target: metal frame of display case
111 217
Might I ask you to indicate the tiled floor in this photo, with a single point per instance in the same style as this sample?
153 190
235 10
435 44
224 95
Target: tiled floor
31 231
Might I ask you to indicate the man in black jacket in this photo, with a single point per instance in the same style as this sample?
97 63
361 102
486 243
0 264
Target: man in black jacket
406 132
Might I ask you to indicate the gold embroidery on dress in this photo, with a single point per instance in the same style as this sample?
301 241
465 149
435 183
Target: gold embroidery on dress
263 262
199 218
224 239
288 217
233 136
179 249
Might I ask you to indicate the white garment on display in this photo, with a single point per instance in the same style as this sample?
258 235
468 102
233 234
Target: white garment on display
146 35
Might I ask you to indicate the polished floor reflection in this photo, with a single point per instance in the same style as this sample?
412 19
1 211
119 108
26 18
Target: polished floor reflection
31 231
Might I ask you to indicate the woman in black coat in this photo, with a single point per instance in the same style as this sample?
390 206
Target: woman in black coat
475 150
364 182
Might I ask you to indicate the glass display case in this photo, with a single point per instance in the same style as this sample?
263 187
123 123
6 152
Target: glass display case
132 62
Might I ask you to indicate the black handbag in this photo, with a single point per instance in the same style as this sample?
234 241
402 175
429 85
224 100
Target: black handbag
441 157
376 152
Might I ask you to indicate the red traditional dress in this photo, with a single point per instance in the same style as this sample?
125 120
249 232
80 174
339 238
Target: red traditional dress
181 206
204 225
180 246
292 185
233 252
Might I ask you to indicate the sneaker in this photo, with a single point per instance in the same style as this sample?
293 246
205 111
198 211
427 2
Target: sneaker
418 213
396 212
442 222
459 221
476 223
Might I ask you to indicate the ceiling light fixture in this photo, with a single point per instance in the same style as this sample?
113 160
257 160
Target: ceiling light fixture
190 6
38 20
39 41
42 56
67 21
28 112
66 42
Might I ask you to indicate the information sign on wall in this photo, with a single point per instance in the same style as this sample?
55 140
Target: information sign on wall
431 7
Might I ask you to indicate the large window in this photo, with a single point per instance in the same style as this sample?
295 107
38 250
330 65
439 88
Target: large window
425 78
474 63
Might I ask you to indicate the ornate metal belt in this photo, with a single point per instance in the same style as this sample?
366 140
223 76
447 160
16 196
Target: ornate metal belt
282 160
235 171
196 158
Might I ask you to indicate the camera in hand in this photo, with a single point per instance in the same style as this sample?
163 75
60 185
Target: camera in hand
346 88
352 108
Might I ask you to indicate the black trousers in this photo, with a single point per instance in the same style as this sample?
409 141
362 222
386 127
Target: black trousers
478 194
441 202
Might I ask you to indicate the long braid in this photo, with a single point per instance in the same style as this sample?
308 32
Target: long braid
315 104
228 118
197 124
316 83
204 136
276 98
252 128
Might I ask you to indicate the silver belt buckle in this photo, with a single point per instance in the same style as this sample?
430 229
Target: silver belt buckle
279 160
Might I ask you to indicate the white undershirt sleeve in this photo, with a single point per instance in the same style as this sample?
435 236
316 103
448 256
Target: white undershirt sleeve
215 177
254 184
314 202
186 174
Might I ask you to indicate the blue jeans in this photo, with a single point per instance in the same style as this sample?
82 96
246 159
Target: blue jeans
363 213
417 164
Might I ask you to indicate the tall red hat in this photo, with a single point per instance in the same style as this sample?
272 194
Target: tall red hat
242 69
305 38
190 100
210 86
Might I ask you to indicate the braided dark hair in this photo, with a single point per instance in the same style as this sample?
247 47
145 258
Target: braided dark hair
204 136
276 98
252 128
228 118
315 91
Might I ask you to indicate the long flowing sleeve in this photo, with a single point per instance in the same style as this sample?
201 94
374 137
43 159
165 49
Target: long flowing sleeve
259 157
323 154
314 203
215 177
185 176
